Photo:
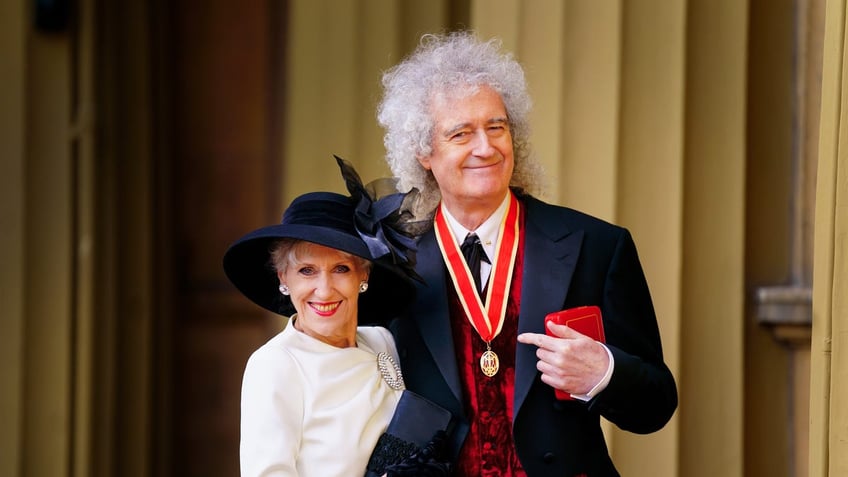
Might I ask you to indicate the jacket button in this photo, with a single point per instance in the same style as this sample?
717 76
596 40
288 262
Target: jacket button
548 457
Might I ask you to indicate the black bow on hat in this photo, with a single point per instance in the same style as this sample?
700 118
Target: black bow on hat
380 222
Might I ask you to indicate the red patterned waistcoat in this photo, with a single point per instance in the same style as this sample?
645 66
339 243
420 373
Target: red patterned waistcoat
489 449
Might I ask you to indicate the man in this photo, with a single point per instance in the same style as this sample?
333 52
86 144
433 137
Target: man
455 114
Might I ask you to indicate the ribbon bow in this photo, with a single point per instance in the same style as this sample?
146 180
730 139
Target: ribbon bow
384 224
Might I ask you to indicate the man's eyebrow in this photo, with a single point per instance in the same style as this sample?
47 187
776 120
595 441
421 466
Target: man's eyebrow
453 130
458 127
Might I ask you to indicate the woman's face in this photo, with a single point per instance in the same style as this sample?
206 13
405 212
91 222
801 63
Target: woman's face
324 288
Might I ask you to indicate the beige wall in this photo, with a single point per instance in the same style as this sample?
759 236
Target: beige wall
336 52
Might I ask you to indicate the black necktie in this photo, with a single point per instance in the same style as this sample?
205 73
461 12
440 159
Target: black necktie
473 252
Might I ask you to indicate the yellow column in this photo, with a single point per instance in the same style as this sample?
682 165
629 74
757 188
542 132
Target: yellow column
649 185
47 279
713 291
12 239
829 347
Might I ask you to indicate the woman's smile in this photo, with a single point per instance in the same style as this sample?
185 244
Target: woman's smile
325 309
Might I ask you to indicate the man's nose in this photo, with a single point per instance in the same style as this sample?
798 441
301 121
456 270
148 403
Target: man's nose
482 144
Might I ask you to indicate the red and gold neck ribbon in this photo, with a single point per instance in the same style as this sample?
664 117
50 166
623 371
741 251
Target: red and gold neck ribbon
486 319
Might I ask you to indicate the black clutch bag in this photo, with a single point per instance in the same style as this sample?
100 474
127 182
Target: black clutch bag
415 421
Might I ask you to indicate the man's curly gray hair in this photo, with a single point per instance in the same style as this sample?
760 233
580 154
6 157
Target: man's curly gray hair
454 63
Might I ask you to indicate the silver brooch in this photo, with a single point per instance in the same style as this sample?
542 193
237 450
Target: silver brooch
390 371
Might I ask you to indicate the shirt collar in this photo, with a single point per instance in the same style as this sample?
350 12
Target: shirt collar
487 231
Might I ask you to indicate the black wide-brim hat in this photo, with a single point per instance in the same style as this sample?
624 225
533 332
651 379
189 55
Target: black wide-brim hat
328 219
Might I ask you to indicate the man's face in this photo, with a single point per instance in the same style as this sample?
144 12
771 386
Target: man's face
472 157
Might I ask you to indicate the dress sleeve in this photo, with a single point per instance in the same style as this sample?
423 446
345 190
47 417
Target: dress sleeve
271 415
387 342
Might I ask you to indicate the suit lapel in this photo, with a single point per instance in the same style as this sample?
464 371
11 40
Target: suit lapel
432 313
550 256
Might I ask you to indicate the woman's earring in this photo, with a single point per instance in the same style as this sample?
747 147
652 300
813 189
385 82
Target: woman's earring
284 290
363 286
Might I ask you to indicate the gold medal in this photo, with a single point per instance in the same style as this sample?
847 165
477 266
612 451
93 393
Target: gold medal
489 363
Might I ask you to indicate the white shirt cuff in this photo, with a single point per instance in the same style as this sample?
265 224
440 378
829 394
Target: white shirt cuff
602 384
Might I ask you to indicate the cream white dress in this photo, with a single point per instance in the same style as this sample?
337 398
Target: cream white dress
309 409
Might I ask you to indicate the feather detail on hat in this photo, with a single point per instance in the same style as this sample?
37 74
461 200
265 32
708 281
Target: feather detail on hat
386 223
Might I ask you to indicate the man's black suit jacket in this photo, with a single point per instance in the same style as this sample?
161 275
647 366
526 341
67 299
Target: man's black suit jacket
570 259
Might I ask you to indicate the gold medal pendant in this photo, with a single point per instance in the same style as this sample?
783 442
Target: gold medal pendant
489 362
486 316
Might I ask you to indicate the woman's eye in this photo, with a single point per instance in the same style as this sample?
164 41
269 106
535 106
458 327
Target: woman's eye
306 271
342 269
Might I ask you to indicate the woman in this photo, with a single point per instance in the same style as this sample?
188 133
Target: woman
317 397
